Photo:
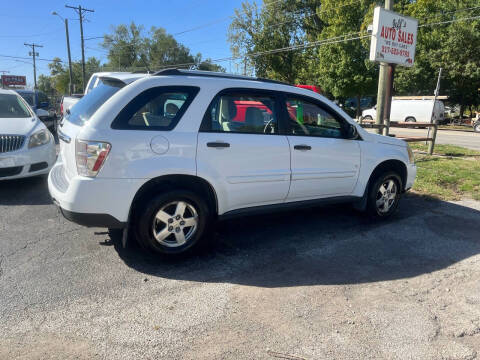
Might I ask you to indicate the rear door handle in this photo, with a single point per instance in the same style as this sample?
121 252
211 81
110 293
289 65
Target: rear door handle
218 144
302 147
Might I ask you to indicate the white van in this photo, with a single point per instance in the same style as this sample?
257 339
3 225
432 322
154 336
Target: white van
410 110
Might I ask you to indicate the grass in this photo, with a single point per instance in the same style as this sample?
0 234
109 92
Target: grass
452 173
447 150
468 128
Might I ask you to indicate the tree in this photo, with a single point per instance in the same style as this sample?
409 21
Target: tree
341 69
60 78
130 48
452 46
126 46
207 65
165 51
342 66
275 25
46 84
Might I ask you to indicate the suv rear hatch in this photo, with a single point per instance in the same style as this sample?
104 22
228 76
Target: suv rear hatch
78 116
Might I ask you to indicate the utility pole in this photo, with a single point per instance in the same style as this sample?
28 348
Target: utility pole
4 72
81 11
34 54
70 85
388 98
434 131
382 83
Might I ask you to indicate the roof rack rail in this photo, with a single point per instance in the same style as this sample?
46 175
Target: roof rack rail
174 71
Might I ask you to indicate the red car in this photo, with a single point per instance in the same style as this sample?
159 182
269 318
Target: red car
310 87
243 105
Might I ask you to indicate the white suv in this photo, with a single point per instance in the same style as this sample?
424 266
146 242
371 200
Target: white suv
164 155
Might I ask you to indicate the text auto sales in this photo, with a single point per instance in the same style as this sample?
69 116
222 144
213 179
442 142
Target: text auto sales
396 38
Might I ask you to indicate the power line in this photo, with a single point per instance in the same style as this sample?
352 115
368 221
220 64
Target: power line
27 58
201 26
450 21
332 40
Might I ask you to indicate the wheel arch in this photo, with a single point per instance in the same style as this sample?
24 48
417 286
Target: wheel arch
395 165
177 181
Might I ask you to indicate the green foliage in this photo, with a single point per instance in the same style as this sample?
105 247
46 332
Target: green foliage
130 48
452 46
46 84
276 25
340 69
60 77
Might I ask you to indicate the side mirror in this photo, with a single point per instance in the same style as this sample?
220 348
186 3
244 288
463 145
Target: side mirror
42 113
351 132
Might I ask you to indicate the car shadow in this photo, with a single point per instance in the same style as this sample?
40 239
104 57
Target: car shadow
328 245
25 191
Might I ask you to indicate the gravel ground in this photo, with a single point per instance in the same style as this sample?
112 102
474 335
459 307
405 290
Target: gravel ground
321 283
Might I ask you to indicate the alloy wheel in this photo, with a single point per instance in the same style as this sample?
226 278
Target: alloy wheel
175 223
386 196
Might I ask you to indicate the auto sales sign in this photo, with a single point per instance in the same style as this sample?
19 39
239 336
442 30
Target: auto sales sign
394 37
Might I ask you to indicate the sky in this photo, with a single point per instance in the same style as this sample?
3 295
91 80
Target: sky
32 21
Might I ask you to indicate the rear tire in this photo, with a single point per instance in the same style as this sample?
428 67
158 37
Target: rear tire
384 195
173 222
368 118
410 119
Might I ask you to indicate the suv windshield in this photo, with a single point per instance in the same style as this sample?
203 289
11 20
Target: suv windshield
11 106
89 104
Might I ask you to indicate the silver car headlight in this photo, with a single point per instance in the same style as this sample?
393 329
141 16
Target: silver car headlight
411 157
41 137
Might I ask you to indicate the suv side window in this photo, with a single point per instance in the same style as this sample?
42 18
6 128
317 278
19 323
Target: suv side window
242 112
158 108
308 118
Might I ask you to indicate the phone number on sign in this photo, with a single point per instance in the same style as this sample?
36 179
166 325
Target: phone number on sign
395 51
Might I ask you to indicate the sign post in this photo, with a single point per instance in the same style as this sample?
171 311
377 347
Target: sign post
394 38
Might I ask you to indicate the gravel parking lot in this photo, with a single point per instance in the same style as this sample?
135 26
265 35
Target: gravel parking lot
322 283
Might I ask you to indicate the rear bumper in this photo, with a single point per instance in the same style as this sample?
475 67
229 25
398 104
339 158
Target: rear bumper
91 220
93 202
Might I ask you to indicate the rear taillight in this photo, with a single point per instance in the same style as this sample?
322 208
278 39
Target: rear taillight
90 156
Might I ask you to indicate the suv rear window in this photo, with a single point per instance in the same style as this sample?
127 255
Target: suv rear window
158 108
89 104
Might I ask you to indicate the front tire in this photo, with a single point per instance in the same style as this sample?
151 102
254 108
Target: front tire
476 128
384 195
173 222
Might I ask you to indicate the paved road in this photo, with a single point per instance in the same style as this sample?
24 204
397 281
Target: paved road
319 284
466 139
